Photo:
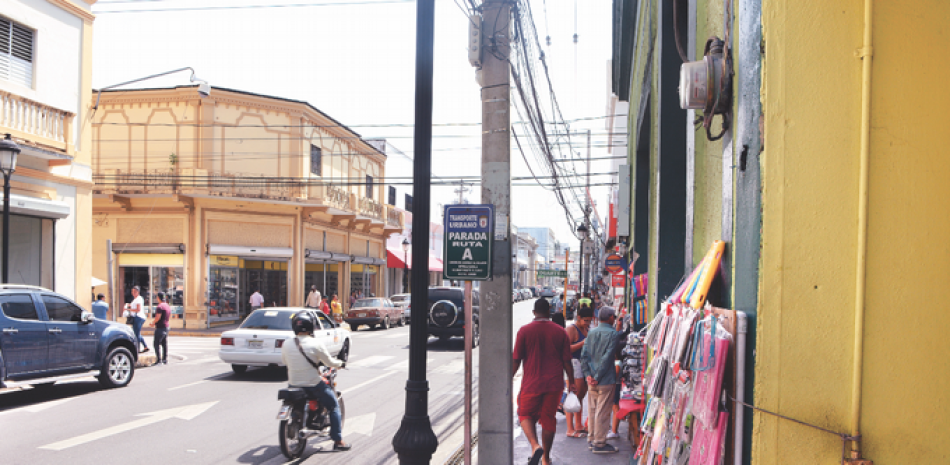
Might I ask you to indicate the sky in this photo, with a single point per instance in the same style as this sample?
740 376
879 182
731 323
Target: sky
355 61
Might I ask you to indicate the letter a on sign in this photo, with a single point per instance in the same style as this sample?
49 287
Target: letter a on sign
467 255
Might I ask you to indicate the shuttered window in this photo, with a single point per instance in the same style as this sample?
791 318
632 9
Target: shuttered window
369 186
392 196
16 53
316 160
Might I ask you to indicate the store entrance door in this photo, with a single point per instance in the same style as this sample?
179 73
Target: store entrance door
267 277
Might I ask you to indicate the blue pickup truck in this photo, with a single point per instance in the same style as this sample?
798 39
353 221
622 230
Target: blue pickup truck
45 337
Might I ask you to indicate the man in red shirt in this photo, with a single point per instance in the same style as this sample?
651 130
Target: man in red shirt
545 350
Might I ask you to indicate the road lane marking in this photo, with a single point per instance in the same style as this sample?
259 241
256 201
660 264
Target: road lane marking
186 412
203 360
362 424
364 383
399 335
187 385
368 361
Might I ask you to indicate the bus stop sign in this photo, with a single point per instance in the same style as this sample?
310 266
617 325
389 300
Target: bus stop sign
468 242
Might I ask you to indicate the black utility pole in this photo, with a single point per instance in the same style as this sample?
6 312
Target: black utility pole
415 442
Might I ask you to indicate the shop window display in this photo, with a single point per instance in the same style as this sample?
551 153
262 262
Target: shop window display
223 293
365 279
152 280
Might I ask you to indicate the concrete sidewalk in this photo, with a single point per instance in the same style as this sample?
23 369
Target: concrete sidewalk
568 451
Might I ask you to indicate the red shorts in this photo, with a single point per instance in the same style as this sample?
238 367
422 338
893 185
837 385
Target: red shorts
539 407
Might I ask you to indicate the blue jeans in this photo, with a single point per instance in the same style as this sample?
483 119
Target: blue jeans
137 328
327 398
160 343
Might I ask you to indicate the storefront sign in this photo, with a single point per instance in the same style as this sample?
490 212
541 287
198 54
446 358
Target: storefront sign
468 242
617 280
224 260
552 274
614 264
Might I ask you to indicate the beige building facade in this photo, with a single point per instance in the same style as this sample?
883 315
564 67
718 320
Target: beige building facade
45 82
211 199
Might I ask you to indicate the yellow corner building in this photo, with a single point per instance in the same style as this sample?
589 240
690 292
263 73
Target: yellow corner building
213 198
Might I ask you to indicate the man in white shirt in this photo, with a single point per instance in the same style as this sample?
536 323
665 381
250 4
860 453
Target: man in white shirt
302 374
557 303
257 300
313 299
136 309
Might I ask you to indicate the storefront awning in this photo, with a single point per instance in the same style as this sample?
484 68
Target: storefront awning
394 260
321 256
258 253
121 247
368 261
32 206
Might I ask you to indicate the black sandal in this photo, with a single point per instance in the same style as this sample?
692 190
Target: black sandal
535 458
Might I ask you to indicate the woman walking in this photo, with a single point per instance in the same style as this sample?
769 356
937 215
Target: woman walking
577 333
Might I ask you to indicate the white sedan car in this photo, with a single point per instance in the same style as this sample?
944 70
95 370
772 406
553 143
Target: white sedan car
259 340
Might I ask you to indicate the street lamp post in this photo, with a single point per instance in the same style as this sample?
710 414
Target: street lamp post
405 264
582 234
415 442
8 154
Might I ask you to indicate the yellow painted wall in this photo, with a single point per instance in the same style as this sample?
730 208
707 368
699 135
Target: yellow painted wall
707 189
809 202
810 166
904 398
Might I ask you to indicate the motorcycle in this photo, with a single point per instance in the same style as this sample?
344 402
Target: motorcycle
302 418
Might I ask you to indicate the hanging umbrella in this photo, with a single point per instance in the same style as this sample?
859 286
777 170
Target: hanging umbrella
97 282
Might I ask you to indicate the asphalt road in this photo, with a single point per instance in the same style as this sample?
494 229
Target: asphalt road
196 410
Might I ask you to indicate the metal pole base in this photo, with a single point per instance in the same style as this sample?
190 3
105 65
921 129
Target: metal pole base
415 442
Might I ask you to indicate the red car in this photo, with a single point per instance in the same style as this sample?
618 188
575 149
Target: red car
373 312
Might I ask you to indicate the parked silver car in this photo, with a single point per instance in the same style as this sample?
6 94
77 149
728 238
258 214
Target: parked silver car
402 301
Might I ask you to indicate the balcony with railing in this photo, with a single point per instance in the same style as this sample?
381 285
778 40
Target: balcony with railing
371 208
198 182
32 121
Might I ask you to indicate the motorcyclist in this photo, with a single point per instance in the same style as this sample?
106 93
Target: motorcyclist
302 374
